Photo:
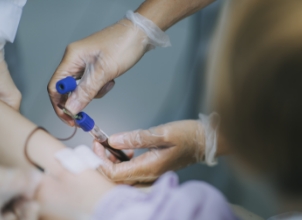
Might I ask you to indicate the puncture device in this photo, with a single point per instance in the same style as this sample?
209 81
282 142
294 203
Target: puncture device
84 121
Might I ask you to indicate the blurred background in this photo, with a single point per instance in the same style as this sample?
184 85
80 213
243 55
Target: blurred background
166 85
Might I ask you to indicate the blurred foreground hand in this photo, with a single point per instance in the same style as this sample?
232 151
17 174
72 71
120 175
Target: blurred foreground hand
17 189
171 146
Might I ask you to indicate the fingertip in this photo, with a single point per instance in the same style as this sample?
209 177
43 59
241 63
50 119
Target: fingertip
72 123
129 153
112 158
96 143
116 140
105 89
98 149
67 119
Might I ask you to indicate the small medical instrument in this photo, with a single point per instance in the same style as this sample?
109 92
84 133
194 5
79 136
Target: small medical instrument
85 122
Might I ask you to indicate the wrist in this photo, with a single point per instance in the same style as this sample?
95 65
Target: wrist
166 13
156 37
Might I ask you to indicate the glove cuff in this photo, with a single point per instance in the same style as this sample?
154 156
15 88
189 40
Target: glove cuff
2 54
210 125
156 36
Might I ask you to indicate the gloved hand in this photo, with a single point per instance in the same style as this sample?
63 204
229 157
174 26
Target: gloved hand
99 59
9 93
17 189
171 146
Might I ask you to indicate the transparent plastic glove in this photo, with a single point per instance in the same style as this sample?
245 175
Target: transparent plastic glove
9 93
171 146
17 189
98 60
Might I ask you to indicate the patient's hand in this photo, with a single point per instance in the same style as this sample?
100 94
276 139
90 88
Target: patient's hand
70 196
17 188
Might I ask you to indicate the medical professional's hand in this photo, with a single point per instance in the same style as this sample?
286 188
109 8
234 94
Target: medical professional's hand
17 189
171 146
8 90
98 59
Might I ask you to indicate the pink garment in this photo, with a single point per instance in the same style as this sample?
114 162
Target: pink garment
167 200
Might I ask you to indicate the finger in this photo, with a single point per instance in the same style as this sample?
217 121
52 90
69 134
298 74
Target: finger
94 78
59 109
15 183
112 158
154 137
27 210
71 65
99 149
145 168
106 88
9 216
129 154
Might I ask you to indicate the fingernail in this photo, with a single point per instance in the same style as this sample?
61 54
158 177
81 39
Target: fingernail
70 123
107 88
116 140
96 148
129 153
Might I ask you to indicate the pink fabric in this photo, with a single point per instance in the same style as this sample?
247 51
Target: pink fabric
167 200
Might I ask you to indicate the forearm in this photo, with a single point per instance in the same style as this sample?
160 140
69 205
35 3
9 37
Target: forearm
165 13
14 131
60 190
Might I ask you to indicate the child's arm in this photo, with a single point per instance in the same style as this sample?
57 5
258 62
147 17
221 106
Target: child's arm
59 188
15 129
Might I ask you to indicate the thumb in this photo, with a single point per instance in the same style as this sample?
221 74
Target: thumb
71 65
27 210
94 83
140 169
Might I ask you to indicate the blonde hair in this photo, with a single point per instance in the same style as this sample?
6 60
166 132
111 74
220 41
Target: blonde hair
257 63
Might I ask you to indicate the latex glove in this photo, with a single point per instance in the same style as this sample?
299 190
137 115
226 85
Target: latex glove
98 59
17 189
171 146
9 93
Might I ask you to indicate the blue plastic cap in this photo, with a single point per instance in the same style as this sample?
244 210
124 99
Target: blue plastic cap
66 85
85 122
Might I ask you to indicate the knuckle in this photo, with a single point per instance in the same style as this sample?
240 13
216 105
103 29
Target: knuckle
49 85
136 138
70 47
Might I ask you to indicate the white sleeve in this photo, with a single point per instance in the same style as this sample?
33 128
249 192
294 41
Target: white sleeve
10 14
